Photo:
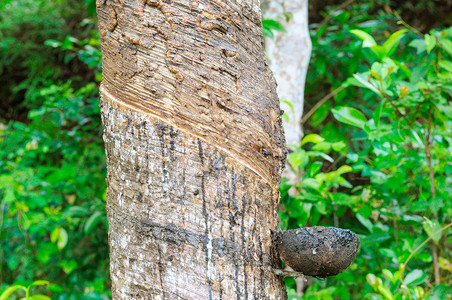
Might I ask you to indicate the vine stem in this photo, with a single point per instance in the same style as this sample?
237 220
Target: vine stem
425 242
428 143
318 104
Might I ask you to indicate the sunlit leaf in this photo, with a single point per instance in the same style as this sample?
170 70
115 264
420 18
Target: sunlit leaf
414 277
92 221
350 116
430 42
9 291
369 41
432 228
393 41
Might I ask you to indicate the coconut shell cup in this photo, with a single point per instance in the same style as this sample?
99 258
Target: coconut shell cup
317 251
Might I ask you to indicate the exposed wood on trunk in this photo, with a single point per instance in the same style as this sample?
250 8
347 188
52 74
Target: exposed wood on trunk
194 147
199 66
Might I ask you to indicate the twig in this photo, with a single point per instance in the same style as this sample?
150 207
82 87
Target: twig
402 22
419 247
293 274
397 109
428 152
425 242
320 103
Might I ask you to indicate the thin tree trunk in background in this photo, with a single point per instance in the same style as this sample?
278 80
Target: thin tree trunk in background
289 53
195 148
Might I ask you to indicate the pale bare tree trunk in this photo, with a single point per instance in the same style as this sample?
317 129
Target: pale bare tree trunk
289 53
195 148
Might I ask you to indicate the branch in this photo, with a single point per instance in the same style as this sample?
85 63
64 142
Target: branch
320 103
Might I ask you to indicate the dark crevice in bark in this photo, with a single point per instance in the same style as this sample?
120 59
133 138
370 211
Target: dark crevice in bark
206 219
161 271
211 204
244 248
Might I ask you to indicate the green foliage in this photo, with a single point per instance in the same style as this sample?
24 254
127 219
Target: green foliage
268 25
16 288
52 163
367 164
381 166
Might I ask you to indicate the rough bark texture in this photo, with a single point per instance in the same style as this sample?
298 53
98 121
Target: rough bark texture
289 53
200 66
194 147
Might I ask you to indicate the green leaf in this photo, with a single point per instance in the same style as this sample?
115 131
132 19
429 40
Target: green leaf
344 169
288 103
321 113
419 45
40 297
311 138
268 33
379 51
54 235
321 154
9 291
385 292
343 199
388 274
431 227
68 266
92 221
53 43
60 236
366 222
373 280
338 146
446 65
350 116
286 117
298 158
273 25
363 80
62 239
414 277
324 147
377 114
430 42
393 41
446 44
40 282
369 41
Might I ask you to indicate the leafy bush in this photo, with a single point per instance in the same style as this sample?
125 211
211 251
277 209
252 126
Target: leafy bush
52 163
379 137
385 173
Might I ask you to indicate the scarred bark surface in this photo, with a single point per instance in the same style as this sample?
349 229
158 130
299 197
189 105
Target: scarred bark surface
194 148
200 66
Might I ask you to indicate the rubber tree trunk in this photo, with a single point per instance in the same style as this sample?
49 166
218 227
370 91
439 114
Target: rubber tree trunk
195 148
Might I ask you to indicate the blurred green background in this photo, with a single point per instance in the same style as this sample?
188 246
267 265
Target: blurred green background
376 157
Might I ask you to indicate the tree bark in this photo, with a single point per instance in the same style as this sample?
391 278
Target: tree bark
195 148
